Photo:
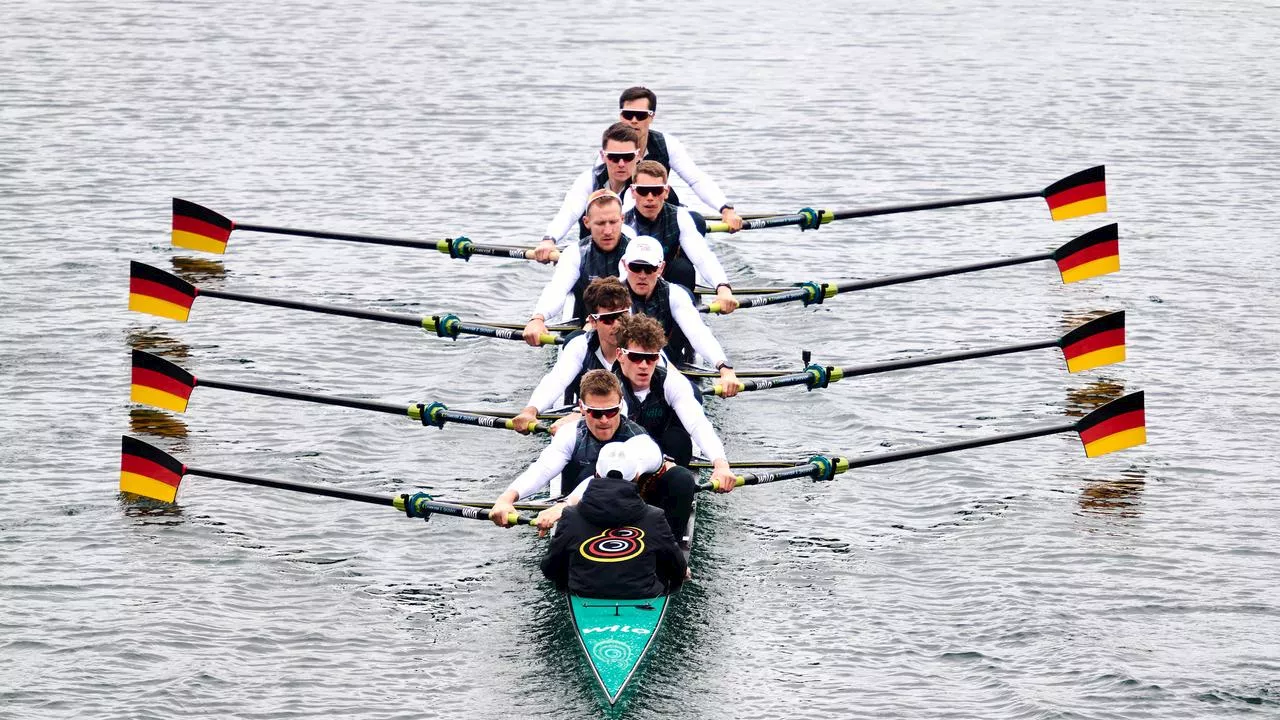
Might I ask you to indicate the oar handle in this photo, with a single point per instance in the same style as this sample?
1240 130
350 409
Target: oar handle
462 248
807 291
423 506
437 414
451 327
819 466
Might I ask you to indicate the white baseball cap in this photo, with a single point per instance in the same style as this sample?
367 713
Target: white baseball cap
643 249
615 461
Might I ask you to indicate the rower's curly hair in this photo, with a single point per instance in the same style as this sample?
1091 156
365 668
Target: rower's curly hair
652 168
599 382
605 293
641 331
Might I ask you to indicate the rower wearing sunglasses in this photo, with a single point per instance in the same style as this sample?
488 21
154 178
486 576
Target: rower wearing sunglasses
673 307
665 403
595 348
684 247
637 107
580 263
570 459
619 153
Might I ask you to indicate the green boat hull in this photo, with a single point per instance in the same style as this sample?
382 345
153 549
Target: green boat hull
615 636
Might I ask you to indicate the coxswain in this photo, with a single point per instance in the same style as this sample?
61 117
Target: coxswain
673 307
612 504
684 247
619 153
598 255
637 107
664 402
593 348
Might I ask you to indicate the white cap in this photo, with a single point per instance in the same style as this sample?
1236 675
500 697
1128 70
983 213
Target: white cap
615 461
643 249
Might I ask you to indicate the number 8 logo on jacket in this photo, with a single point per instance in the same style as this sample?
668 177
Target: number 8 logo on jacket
613 545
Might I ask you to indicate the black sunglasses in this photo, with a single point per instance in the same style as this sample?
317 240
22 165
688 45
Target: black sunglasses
635 114
648 190
599 413
640 357
641 268
621 157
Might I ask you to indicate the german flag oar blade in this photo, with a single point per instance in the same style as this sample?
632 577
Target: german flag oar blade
160 383
1094 253
1094 344
156 292
196 227
149 471
1120 424
1083 193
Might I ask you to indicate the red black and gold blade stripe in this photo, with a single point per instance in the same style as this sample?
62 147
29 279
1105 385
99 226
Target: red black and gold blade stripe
160 383
1094 253
149 471
154 291
1084 193
1120 424
198 228
1094 344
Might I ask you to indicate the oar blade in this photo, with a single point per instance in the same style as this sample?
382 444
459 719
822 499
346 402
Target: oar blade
1120 424
148 471
1083 193
1094 253
160 383
1094 344
156 292
196 227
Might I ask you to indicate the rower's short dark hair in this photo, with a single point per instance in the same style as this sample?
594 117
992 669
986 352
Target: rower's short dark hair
637 92
641 331
599 382
605 293
620 132
652 168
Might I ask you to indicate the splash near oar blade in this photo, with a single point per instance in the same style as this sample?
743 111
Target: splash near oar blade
1094 253
160 383
149 471
156 292
1096 343
1083 193
1118 425
196 227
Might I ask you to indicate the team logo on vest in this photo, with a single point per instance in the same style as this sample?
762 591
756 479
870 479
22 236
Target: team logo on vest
613 545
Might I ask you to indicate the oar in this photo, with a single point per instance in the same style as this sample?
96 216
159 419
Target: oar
160 383
1094 344
148 471
1117 425
196 227
1095 253
1083 193
154 291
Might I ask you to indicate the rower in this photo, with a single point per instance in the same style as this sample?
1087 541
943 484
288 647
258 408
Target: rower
665 403
683 245
596 256
571 456
642 559
619 153
595 348
637 107
672 306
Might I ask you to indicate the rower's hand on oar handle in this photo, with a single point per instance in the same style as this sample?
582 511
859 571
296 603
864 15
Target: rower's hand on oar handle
730 217
502 509
722 478
729 385
546 251
548 518
534 330
523 423
725 301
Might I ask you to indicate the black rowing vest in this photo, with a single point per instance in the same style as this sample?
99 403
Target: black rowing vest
658 307
599 179
595 263
666 230
591 362
586 448
657 417
656 149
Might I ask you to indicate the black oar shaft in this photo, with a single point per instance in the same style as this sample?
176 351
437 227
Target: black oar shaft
934 205
944 272
913 453
306 397
371 239
411 320
296 487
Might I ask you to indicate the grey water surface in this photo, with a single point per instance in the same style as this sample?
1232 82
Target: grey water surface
1017 581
